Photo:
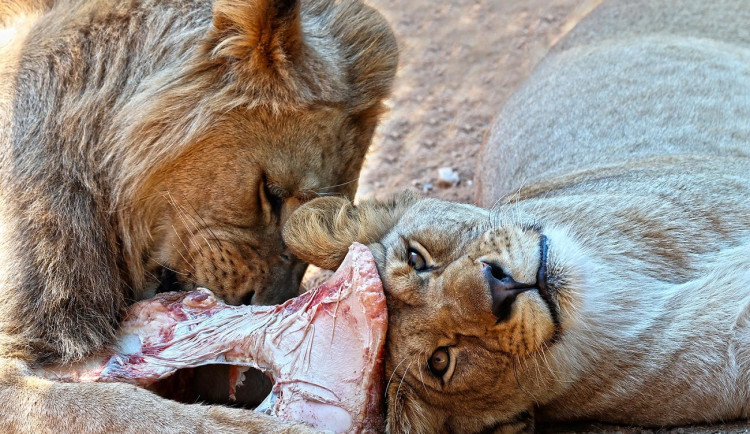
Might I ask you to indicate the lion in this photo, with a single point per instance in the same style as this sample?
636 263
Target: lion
607 275
153 145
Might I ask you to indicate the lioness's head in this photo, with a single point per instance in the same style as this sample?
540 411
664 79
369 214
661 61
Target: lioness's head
470 300
274 104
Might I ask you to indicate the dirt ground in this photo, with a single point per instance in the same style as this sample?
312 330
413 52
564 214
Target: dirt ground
460 60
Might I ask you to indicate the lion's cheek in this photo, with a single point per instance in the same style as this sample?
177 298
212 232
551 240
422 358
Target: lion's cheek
529 327
229 271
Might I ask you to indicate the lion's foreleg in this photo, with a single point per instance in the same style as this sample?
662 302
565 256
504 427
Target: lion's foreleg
30 404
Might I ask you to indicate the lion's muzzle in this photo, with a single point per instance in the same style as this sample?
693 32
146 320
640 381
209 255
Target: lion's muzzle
504 289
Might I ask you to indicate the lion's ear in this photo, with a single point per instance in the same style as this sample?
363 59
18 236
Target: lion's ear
321 231
266 35
284 52
370 52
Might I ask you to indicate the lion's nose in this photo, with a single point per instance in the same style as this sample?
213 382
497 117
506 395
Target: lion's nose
503 288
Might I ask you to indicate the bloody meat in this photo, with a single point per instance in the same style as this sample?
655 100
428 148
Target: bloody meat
323 349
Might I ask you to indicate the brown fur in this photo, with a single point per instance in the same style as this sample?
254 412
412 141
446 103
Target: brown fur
145 136
648 301
627 150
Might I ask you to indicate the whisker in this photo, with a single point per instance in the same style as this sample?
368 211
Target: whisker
193 227
197 228
398 390
168 268
180 212
168 195
394 372
131 206
183 244
543 353
183 256
204 226
187 279
421 378
151 275
323 194
337 185
506 209
518 381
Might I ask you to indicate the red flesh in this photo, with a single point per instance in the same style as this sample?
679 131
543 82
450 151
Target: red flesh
324 349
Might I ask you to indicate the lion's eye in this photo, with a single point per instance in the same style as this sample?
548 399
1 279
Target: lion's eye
416 260
271 201
439 362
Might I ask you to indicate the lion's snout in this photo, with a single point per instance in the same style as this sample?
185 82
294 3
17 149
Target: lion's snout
503 288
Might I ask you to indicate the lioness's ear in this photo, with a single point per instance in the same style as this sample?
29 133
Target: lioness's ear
321 231
265 35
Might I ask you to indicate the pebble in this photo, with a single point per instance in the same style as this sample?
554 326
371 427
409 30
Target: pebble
447 177
427 188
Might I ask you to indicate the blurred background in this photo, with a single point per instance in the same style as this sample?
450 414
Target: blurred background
460 60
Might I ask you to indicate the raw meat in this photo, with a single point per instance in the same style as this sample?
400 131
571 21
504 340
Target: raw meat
323 349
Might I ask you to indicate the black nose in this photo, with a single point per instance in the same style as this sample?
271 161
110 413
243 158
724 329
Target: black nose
503 288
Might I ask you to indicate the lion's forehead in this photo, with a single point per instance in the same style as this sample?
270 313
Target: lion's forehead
436 212
443 228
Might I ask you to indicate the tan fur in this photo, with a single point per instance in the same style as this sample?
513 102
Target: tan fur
628 150
144 136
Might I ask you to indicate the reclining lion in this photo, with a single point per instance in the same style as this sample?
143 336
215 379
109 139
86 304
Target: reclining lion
609 278
151 145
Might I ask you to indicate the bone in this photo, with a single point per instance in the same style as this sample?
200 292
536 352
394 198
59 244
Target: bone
323 349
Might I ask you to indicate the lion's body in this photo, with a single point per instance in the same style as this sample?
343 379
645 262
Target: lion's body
69 82
625 161
660 334
159 142
633 134
630 81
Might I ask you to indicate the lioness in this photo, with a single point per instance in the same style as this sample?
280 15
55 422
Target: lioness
612 280
160 144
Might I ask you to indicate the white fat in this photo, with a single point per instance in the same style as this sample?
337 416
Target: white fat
322 416
266 407
129 344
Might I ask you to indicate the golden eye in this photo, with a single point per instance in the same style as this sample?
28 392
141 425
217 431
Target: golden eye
416 261
439 361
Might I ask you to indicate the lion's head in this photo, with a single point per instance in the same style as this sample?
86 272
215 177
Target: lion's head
163 144
277 106
471 299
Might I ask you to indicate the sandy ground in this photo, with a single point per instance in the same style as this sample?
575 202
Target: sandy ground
460 60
